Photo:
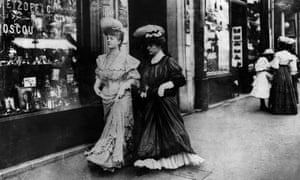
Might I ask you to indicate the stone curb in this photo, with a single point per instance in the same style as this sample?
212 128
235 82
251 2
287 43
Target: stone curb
222 103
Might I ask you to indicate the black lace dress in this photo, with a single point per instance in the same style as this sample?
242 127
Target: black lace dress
164 141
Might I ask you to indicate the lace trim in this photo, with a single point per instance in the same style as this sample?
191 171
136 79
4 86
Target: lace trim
105 153
172 162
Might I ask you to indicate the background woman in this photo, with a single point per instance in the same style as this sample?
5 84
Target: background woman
262 84
293 66
116 72
283 95
164 142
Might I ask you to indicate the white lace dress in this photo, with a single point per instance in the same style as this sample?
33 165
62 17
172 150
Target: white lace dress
113 148
261 84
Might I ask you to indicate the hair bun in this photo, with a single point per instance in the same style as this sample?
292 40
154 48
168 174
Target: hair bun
109 23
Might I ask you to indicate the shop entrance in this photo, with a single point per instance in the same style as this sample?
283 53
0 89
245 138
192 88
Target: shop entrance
239 14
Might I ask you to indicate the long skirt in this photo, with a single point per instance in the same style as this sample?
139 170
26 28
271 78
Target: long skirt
164 142
261 86
114 147
283 96
295 83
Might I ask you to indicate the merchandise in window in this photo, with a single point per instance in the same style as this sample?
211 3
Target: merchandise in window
38 63
216 36
253 32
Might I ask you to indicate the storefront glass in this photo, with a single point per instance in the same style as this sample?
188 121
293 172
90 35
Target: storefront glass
253 32
38 60
216 36
290 24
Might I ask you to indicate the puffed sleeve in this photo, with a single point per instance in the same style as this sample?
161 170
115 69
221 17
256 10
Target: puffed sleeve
262 64
175 73
293 65
275 62
99 62
131 66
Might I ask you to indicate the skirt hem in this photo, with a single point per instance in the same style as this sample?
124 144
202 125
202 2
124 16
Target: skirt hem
172 162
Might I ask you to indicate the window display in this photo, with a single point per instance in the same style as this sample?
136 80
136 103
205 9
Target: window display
290 24
37 56
216 36
253 31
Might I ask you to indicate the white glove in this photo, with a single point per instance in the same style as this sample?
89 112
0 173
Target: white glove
163 87
123 89
144 93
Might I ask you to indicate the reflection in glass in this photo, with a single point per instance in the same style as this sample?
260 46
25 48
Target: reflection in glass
38 69
217 52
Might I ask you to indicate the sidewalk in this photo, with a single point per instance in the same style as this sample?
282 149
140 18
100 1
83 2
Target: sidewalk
33 167
238 141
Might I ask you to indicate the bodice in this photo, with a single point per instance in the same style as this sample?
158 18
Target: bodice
115 72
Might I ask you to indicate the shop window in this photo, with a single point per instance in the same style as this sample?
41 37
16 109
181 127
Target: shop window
216 36
290 25
38 63
253 31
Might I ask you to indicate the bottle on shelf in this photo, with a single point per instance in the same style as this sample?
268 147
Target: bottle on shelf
49 104
37 99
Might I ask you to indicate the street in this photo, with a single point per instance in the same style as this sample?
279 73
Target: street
68 67
238 142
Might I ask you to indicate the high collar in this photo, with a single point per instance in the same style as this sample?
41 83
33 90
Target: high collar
157 57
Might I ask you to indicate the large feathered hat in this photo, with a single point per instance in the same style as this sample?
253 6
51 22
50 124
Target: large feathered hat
149 31
286 40
110 24
268 51
151 34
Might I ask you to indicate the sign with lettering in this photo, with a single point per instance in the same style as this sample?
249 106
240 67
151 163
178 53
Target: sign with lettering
29 82
237 46
20 17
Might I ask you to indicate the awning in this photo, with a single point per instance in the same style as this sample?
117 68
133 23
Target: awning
29 43
240 2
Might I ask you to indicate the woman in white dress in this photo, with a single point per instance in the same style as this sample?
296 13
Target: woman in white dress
262 84
116 72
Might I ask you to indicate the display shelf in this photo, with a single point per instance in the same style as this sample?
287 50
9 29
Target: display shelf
21 115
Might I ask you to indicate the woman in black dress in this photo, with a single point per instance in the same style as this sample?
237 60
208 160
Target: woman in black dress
294 67
164 142
283 98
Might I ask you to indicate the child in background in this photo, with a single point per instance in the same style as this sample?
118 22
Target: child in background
262 84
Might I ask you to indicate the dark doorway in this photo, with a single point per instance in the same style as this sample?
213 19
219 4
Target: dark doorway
143 12
238 18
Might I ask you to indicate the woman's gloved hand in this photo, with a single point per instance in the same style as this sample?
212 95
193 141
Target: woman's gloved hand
125 86
163 87
143 93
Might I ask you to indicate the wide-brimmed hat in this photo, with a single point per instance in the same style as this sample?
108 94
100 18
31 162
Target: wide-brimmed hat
268 51
149 31
110 24
286 40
